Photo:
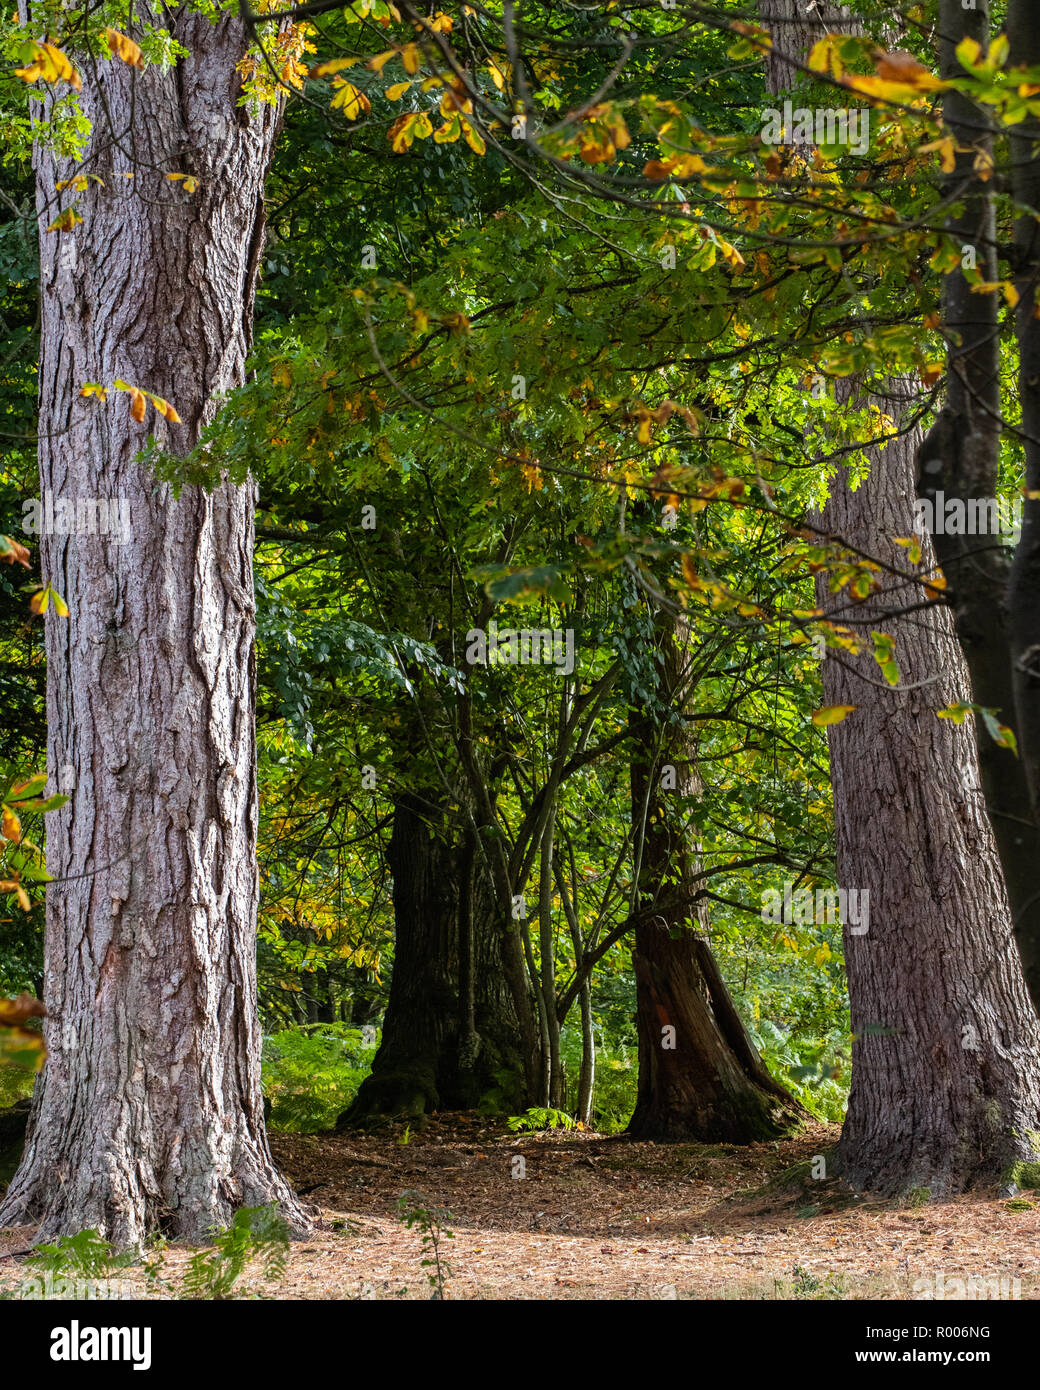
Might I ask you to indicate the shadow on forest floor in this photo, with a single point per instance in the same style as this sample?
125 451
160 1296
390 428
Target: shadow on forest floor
603 1217
598 1216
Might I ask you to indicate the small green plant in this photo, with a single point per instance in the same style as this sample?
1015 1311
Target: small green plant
806 1285
86 1255
405 1138
432 1222
256 1233
538 1117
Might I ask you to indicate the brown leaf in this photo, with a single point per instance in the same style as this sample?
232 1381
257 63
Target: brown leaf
15 1011
13 552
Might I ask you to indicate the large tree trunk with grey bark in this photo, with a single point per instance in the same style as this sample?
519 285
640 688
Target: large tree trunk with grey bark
945 1080
995 602
945 1075
1023 597
148 1114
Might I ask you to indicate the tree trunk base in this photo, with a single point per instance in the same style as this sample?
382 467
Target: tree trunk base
402 1094
914 1153
110 1186
751 1118
700 1079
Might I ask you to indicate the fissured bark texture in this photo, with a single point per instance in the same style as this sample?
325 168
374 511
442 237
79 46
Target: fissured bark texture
149 1112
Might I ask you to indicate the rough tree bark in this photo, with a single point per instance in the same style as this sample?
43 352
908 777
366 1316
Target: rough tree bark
945 1082
1023 598
700 1077
149 1113
994 600
449 1034
945 1077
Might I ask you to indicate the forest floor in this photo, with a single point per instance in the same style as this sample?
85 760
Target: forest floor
597 1216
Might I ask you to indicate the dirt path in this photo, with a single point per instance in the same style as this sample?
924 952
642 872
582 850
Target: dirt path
600 1217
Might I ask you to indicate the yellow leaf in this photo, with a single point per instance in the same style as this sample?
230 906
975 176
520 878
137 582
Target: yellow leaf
968 51
411 58
416 124
449 132
883 89
65 221
983 165
947 149
904 67
10 825
730 254
124 48
396 91
50 64
831 714
911 544
336 65
822 55
472 137
166 410
455 100
137 404
350 99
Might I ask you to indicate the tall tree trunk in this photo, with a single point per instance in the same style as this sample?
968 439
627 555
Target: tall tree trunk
945 1077
945 1083
1023 598
700 1077
429 1058
961 459
149 1112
